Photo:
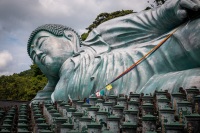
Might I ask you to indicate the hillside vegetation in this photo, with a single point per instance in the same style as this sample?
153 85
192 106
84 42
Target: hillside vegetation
22 86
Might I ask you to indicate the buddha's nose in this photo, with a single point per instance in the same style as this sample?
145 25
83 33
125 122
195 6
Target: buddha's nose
38 53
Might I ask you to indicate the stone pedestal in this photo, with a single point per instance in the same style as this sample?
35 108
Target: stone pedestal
197 104
99 104
135 97
148 123
108 107
113 99
101 118
69 114
93 100
147 108
193 123
79 105
122 101
84 108
166 115
84 121
113 124
162 102
94 128
58 122
131 116
147 99
118 111
133 105
60 107
174 127
57 103
128 127
64 110
74 101
160 94
191 93
76 118
184 108
7 127
39 120
66 127
19 130
92 112
177 97
41 126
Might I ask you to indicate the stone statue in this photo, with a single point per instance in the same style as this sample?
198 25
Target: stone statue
80 68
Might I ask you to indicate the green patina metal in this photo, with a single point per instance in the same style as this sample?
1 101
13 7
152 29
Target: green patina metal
129 125
23 120
71 110
107 104
67 125
46 131
93 108
149 117
80 68
135 112
22 125
113 118
94 125
118 107
86 105
40 120
79 114
174 126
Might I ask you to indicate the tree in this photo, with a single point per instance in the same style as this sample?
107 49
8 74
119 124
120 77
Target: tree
102 17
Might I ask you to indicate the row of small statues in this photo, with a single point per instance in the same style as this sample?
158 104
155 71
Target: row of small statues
146 105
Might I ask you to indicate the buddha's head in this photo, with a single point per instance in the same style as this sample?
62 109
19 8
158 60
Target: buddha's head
49 46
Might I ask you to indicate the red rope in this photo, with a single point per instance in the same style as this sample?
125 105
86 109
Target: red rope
144 57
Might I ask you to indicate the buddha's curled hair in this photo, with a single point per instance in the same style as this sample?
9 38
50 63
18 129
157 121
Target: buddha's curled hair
55 29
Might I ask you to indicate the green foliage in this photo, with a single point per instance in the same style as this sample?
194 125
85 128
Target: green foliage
102 17
22 86
84 36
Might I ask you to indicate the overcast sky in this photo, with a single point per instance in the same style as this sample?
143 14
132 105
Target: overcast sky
18 18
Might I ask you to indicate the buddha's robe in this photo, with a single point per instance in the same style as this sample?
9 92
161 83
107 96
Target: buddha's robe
115 45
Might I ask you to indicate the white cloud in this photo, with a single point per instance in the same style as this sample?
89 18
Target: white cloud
6 73
5 59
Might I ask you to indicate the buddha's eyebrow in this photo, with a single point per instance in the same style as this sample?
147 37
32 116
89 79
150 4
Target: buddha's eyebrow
32 53
37 42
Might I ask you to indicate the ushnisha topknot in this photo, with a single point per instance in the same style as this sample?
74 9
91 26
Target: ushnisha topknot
55 29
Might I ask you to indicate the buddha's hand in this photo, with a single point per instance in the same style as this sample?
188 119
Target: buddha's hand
180 8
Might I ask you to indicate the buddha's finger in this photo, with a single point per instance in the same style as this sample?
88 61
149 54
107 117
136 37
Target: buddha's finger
182 14
188 4
197 2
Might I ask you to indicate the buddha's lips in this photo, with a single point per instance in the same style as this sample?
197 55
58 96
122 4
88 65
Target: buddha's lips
42 59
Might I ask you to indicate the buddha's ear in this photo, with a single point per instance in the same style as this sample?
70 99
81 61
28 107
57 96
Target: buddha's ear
70 35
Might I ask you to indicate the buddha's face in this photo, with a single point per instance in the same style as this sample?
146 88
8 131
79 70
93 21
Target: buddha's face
49 52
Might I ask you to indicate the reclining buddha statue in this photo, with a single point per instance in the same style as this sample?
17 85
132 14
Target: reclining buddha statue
81 68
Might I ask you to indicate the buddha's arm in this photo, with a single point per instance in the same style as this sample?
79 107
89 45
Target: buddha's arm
139 28
170 14
155 22
45 94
